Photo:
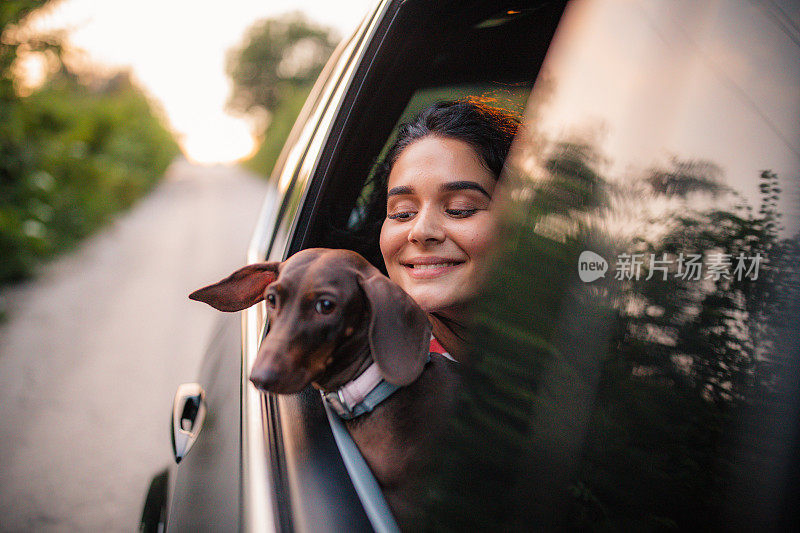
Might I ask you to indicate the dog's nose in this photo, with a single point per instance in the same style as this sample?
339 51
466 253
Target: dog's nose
264 379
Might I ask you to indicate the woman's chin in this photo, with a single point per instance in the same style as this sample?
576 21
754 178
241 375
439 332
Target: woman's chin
449 307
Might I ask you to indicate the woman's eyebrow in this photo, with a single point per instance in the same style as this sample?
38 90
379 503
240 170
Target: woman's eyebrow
403 189
463 186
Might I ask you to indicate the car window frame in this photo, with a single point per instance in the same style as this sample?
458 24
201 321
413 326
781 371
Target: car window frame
263 474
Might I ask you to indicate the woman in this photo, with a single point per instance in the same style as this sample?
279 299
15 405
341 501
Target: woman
440 178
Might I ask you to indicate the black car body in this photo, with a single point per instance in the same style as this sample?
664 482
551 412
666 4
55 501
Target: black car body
650 129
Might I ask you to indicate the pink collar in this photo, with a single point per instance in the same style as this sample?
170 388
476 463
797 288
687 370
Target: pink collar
354 392
363 393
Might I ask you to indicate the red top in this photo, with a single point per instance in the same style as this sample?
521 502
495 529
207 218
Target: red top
437 348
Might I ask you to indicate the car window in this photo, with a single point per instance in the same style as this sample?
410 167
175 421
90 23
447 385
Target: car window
418 48
428 51
636 360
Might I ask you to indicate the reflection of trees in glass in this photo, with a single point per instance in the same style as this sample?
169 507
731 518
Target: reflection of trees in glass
647 428
688 361
688 356
703 332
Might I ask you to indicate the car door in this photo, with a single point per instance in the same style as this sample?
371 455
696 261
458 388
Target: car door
233 476
205 491
635 368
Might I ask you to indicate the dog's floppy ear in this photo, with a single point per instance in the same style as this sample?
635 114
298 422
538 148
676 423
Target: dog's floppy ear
399 331
240 290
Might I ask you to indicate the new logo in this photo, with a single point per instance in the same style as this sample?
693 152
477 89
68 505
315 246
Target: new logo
591 266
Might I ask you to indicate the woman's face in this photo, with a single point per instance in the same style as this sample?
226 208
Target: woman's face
438 226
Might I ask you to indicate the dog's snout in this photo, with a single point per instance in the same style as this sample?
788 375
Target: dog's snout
264 379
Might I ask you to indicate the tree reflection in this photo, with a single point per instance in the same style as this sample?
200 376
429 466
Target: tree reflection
628 402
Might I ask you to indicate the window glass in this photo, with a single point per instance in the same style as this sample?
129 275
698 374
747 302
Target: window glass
637 349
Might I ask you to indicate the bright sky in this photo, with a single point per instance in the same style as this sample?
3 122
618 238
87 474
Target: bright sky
176 51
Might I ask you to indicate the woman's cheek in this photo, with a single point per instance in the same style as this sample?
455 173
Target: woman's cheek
388 241
482 234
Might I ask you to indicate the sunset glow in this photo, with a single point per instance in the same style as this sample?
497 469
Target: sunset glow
176 52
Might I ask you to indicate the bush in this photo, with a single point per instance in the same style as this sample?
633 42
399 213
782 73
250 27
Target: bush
72 156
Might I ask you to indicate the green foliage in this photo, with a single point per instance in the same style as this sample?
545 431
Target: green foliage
278 57
272 73
14 11
71 153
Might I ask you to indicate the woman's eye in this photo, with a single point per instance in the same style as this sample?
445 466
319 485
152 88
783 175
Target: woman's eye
271 300
324 306
402 215
461 213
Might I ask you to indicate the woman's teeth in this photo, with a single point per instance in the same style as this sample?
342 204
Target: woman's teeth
431 267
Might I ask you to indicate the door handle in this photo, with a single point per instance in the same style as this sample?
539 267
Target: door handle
188 413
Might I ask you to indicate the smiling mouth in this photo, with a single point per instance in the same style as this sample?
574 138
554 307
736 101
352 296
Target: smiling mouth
428 270
433 266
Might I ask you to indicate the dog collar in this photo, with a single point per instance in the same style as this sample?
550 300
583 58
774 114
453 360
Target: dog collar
361 395
368 390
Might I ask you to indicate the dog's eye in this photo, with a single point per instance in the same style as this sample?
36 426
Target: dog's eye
271 300
324 306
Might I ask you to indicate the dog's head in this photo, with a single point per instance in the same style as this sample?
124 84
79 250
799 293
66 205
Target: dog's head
322 303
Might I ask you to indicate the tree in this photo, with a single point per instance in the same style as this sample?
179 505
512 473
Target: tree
277 58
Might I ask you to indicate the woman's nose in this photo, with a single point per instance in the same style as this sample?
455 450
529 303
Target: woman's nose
426 227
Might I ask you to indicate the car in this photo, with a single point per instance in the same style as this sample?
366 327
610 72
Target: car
636 353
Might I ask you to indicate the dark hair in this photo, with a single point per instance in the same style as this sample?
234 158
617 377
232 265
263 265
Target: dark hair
489 130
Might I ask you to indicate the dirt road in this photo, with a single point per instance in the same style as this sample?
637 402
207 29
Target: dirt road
96 346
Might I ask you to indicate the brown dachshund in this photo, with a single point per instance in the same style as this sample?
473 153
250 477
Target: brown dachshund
336 322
